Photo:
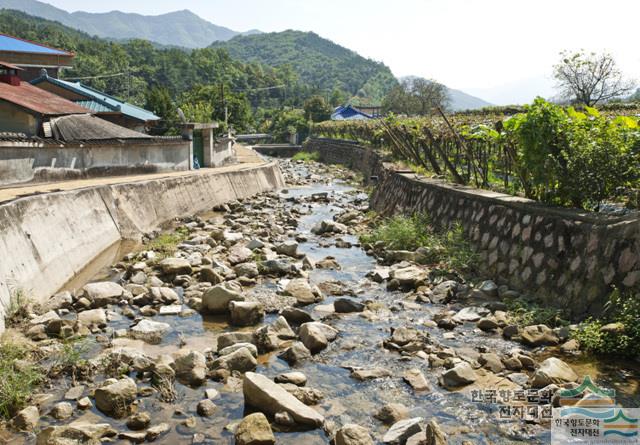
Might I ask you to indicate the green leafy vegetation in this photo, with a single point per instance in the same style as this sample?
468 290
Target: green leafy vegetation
416 231
167 243
546 152
527 313
618 330
19 377
306 156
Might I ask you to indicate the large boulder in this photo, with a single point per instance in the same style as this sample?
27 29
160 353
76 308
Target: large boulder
217 298
93 318
352 434
175 266
114 399
409 277
79 432
254 430
231 338
241 360
150 331
190 367
104 293
246 313
553 370
316 336
295 354
460 375
301 290
27 419
402 430
347 305
271 398
539 335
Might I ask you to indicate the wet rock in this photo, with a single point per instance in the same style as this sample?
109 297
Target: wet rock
173 309
206 408
175 266
137 437
27 419
246 313
347 305
254 430
61 411
328 226
84 403
379 275
217 298
156 431
190 367
295 354
404 335
233 348
231 338
74 393
402 430
103 293
538 335
460 375
370 373
138 421
269 397
553 370
308 396
300 289
444 292
328 263
392 413
487 324
295 378
94 317
114 399
472 313
316 336
296 315
211 393
352 434
416 380
241 360
491 362
76 433
150 331
434 435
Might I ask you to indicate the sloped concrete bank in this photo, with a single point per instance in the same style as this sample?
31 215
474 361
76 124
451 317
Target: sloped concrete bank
47 239
567 259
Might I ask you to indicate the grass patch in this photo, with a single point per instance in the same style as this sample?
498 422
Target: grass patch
525 313
18 378
166 244
413 232
622 336
307 156
19 306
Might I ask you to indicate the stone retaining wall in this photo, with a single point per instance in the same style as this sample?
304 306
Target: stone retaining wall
45 240
565 258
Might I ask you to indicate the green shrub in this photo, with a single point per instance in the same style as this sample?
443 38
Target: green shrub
412 232
18 378
167 243
622 309
525 313
307 156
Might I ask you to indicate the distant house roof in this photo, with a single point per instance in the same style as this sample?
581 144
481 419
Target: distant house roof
98 101
349 113
37 100
85 127
15 44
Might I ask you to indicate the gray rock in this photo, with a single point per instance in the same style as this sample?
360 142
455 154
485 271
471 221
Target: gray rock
209 275
347 305
231 338
460 375
138 421
416 380
246 313
249 270
296 315
241 360
487 324
288 248
328 226
206 408
295 354
295 378
392 413
239 254
61 411
300 289
444 292
233 348
269 397
103 293
278 267
175 266
434 435
150 331
190 367
114 399
402 430
76 433
472 313
217 298
316 336
27 419
539 335
94 317
370 373
156 431
410 277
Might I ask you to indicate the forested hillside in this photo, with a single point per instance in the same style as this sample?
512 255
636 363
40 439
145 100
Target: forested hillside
319 62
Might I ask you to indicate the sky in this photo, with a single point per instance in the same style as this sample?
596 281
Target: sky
500 50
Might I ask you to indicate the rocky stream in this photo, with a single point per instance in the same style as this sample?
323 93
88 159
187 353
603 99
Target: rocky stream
270 323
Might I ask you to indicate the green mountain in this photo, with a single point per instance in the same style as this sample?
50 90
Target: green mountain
319 62
180 28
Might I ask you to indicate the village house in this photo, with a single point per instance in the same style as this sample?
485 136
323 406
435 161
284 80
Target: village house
101 104
349 112
32 57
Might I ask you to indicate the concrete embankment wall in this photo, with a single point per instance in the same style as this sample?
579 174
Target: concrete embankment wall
22 162
565 258
47 239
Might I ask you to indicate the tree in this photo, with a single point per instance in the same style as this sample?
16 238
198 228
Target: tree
590 78
416 96
316 109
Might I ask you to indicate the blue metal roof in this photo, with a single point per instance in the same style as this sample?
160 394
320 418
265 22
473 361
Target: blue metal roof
99 101
348 112
8 43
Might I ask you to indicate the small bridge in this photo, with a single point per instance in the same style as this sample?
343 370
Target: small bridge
278 150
